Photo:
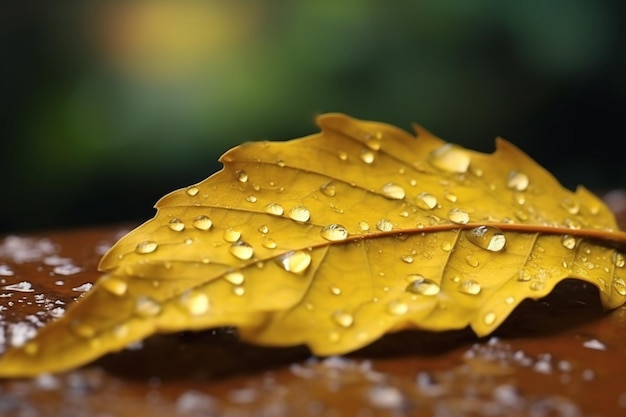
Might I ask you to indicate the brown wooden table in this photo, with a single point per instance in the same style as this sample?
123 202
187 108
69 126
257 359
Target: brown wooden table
559 356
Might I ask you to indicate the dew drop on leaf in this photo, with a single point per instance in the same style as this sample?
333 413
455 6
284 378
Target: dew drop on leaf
176 225
342 318
470 287
83 330
342 155
202 222
363 226
114 285
570 205
275 209
192 191
334 232
335 290
422 286
407 259
456 215
241 250
195 303
489 318
294 261
517 180
328 189
426 201
239 290
393 191
619 285
269 243
251 199
147 246
618 259
241 175
235 278
299 214
263 229
568 241
367 156
450 158
232 235
384 225
397 307
487 237
147 307
472 261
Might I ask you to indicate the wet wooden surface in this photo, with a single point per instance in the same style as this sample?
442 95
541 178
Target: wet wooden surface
559 356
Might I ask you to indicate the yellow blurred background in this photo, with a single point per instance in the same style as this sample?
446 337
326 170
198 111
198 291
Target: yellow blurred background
108 105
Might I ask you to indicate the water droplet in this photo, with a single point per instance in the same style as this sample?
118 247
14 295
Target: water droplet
176 225
517 180
294 261
192 191
446 246
509 300
195 303
363 226
384 225
263 229
82 329
241 250
328 189
342 155
472 261
269 243
619 285
147 246
366 156
618 260
450 158
537 285
407 259
393 191
235 278
490 318
202 222
114 285
570 205
568 241
372 142
470 287
426 201
342 318
451 197
458 216
487 237
239 291
280 163
334 336
232 235
335 290
241 175
397 307
275 209
147 307
334 232
251 199
422 286
299 214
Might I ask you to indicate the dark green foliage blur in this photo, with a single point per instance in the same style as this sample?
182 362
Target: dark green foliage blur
109 105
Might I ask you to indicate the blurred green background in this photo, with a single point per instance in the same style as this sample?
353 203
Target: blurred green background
108 105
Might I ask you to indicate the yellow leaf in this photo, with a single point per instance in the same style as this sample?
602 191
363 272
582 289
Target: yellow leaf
337 238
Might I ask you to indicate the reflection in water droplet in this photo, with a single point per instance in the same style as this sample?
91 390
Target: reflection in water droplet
294 261
192 191
269 243
264 229
393 191
300 214
363 226
422 286
489 318
470 287
487 237
202 222
275 209
232 235
195 303
384 225
366 156
426 201
342 318
241 250
114 285
568 241
147 246
241 175
176 225
147 307
456 215
235 278
397 307
450 158
334 232
618 259
328 189
517 180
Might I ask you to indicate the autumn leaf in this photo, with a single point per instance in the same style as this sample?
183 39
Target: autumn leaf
335 239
